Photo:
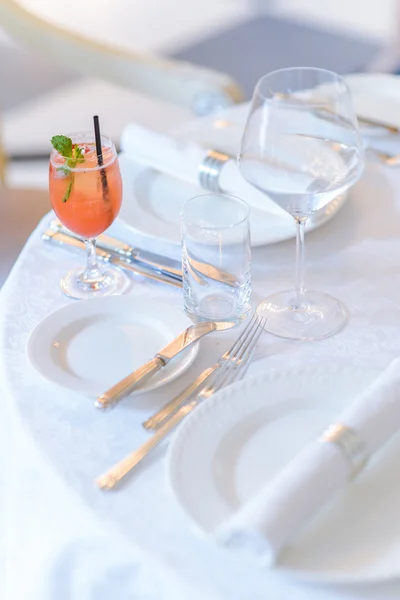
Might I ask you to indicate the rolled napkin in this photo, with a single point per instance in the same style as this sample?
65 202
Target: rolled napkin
264 525
182 160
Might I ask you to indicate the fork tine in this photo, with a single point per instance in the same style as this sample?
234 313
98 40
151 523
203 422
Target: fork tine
238 362
229 356
250 354
244 361
243 344
248 342
234 349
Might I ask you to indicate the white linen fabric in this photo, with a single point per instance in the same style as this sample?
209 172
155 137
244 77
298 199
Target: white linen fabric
263 526
67 540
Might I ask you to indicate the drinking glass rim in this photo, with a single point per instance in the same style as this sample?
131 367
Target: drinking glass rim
216 227
291 102
91 134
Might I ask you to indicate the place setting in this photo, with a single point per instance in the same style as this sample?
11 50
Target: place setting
288 470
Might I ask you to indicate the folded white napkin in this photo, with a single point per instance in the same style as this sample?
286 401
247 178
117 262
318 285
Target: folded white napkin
181 160
264 525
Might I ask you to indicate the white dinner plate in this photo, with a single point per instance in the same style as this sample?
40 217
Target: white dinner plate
242 437
88 346
152 203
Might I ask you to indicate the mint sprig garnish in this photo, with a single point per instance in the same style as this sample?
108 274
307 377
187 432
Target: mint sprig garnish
63 145
79 157
69 189
73 155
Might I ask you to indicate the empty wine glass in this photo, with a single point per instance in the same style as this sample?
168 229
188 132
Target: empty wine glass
301 147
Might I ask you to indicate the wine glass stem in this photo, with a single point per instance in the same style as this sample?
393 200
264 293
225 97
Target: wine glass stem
92 272
299 283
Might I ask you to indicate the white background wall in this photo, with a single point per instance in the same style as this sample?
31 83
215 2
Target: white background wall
155 24
142 24
369 17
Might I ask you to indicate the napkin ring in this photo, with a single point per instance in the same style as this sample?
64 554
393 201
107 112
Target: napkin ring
350 444
210 170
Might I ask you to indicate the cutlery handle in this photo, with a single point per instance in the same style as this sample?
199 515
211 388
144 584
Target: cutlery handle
129 384
144 258
64 239
120 470
156 420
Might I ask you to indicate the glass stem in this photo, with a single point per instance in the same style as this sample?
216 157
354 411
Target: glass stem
92 272
299 283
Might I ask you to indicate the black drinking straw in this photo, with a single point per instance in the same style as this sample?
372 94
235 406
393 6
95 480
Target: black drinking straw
100 160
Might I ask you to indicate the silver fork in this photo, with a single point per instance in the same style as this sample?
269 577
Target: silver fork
164 413
235 365
231 369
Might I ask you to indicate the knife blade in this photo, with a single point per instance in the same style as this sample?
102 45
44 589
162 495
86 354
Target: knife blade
136 379
65 239
130 253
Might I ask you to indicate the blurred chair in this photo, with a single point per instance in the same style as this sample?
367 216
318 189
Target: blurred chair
182 83
3 161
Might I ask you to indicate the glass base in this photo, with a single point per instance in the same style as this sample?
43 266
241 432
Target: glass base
319 317
217 307
112 282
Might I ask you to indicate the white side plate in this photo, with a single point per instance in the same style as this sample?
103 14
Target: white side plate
239 439
88 346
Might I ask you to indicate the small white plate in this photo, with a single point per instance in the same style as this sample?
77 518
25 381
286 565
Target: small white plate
152 204
88 346
238 440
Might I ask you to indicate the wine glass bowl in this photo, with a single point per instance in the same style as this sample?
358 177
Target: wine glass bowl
302 147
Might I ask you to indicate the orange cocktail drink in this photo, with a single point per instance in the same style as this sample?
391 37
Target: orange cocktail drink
86 195
80 200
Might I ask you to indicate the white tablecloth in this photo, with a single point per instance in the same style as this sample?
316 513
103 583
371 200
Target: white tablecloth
64 539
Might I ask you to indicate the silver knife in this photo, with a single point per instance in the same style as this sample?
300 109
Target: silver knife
52 235
129 253
136 379
200 271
